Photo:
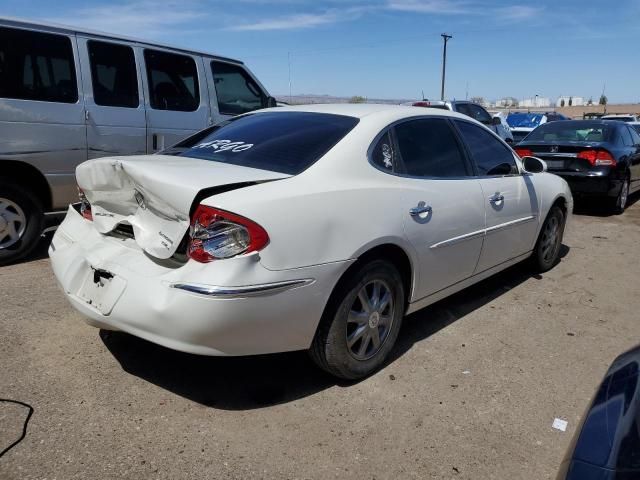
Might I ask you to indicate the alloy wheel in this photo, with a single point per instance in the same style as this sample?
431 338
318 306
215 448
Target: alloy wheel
13 223
550 239
370 319
624 194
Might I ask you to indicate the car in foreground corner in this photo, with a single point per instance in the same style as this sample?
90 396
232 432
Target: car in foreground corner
606 445
596 157
303 228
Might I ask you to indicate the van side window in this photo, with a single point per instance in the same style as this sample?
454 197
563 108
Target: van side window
113 74
237 91
173 81
37 66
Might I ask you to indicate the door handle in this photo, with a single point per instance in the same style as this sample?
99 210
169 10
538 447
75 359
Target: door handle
154 142
497 198
420 210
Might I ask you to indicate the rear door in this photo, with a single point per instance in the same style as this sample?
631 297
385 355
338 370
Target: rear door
442 208
177 97
115 113
41 107
233 89
635 159
509 198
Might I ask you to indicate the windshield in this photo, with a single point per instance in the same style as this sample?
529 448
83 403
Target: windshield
572 131
284 142
525 120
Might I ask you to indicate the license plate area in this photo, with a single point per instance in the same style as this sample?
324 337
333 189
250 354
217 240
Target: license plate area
101 289
555 164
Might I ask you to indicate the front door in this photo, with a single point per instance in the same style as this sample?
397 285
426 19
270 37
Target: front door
509 198
442 209
115 113
177 99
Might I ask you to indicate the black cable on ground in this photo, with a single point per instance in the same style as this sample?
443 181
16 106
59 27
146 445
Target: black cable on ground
24 427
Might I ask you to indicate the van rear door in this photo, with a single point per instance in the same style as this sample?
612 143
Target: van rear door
177 99
114 103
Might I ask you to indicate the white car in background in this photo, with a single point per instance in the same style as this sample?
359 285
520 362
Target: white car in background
621 117
503 130
313 227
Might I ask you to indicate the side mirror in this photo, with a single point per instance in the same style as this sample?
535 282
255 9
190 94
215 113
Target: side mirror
534 165
496 121
271 102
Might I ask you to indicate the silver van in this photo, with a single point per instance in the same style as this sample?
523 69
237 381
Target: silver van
68 95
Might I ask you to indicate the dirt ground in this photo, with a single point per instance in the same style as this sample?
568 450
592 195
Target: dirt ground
470 393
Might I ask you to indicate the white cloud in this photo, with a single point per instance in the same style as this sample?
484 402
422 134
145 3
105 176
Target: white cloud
135 17
443 7
303 20
518 12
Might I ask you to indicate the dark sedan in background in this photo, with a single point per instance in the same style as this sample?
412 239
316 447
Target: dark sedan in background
606 446
595 157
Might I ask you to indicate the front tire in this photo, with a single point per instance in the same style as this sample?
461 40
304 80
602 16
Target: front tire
547 250
21 222
361 322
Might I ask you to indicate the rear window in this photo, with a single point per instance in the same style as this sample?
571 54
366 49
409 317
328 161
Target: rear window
569 131
524 120
287 142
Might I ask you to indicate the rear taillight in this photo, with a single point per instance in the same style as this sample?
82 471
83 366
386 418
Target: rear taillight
597 157
85 206
523 152
217 234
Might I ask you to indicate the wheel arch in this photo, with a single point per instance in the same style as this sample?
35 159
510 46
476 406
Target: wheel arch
28 176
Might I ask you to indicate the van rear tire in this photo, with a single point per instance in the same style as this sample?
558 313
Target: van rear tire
21 221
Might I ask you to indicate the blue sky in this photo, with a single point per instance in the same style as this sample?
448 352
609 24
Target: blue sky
390 48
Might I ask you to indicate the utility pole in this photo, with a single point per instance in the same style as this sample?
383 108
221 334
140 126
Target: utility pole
289 65
446 38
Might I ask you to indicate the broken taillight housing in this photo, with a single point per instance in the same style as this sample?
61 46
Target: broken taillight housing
85 206
217 234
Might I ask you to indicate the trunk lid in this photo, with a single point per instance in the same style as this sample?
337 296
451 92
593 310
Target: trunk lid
563 156
154 194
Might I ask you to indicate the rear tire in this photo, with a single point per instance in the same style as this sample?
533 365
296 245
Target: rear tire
361 322
547 250
620 202
21 221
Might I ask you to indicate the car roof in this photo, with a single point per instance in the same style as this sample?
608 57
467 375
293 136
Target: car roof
56 27
362 110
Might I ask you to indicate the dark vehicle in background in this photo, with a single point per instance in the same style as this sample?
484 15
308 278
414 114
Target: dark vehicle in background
523 123
606 446
470 109
595 157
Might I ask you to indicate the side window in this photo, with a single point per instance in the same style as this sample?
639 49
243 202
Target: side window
625 134
635 136
480 114
490 155
429 148
113 74
37 66
173 81
237 91
383 154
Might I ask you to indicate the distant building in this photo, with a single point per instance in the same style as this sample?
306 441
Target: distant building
566 101
507 102
535 102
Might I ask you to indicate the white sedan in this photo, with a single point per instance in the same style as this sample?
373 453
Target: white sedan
313 227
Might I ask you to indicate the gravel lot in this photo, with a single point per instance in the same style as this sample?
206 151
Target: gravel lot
474 386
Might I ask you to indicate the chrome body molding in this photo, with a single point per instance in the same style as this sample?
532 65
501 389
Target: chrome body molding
242 291
480 233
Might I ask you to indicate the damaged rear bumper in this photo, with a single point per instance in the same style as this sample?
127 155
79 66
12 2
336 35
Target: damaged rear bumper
227 307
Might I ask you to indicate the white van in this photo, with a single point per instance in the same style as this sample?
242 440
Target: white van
68 95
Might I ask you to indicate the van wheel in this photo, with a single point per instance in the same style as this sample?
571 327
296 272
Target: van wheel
21 222
547 249
361 322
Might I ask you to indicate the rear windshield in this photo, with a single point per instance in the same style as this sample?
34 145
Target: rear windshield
286 142
572 131
524 120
